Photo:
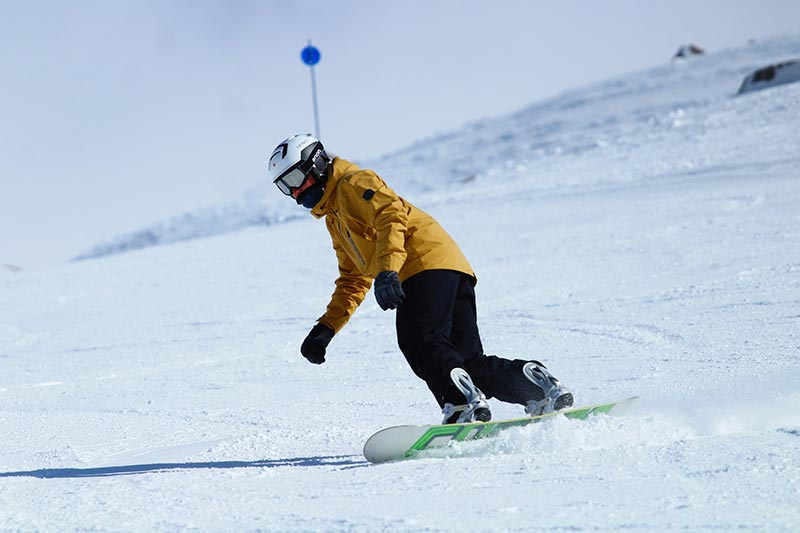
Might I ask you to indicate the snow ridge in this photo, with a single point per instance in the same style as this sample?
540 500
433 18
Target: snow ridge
606 117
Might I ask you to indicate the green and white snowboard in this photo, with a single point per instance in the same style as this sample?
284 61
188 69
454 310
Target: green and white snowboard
403 442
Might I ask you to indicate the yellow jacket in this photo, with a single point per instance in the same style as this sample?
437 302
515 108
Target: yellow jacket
373 229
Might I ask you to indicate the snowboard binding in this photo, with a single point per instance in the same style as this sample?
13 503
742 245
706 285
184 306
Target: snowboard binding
556 396
475 410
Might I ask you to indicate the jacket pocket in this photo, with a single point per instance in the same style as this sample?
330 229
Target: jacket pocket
360 229
357 255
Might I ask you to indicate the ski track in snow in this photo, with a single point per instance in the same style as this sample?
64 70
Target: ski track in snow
639 236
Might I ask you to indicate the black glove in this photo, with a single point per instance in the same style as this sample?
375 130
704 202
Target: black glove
313 348
388 290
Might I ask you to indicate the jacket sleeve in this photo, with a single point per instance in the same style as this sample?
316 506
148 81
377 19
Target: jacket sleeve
351 288
391 223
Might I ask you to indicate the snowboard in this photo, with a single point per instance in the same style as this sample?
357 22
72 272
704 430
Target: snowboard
403 442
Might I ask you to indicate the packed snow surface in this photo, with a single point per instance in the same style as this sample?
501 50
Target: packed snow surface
640 236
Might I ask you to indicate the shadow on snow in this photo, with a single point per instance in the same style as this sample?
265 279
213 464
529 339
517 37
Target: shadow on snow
343 461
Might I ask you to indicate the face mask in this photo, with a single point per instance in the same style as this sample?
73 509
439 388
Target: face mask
311 196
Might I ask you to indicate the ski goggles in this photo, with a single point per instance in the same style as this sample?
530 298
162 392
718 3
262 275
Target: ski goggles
291 181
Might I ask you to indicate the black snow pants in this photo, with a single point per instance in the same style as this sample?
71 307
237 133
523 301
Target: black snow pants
437 331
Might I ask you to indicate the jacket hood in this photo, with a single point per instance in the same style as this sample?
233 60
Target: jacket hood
337 168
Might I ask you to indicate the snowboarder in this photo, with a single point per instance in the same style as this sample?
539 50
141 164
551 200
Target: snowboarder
418 270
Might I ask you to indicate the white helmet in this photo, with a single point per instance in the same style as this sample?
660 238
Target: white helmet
299 164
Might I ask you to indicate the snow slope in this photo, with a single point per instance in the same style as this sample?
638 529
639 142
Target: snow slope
640 236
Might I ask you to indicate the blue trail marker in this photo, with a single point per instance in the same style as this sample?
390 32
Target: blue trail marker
311 56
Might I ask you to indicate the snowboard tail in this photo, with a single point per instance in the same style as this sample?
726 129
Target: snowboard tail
403 442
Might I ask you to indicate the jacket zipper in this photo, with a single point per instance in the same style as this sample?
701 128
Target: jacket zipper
346 233
353 245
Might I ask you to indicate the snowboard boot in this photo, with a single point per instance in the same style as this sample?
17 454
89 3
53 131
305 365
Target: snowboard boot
475 410
555 396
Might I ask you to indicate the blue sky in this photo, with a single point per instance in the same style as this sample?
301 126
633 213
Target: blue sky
117 114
